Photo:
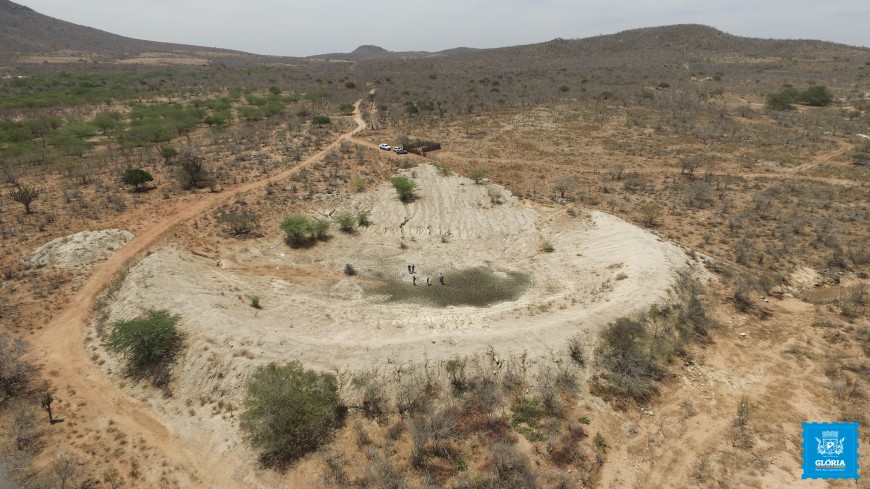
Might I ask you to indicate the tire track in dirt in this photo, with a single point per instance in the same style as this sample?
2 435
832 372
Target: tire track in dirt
61 344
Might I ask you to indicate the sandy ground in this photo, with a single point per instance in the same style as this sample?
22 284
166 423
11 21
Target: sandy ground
602 268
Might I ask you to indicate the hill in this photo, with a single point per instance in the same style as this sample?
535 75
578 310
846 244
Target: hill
26 33
657 45
369 52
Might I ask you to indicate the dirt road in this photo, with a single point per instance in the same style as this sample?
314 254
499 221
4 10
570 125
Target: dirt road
94 399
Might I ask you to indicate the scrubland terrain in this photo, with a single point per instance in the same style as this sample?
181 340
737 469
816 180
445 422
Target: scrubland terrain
653 273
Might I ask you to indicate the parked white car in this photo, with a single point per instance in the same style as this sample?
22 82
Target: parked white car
385 146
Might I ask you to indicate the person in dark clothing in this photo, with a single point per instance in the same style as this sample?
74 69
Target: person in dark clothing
441 278
428 280
414 280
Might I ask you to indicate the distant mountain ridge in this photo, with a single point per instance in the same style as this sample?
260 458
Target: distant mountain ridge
370 52
674 38
25 32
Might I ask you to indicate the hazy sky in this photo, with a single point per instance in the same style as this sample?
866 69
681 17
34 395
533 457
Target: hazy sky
311 27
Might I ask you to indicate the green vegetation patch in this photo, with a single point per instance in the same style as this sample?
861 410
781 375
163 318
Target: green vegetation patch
289 411
479 287
66 89
148 343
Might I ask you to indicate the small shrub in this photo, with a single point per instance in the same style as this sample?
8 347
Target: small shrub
740 431
297 230
239 223
14 368
456 371
255 302
742 297
495 197
630 364
527 410
512 468
349 270
394 432
192 172
362 218
575 350
320 230
650 214
404 188
346 221
358 184
548 247
600 443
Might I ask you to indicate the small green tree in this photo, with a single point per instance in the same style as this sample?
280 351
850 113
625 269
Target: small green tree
296 229
146 342
108 121
320 120
817 96
289 411
780 101
136 177
404 188
784 99
168 152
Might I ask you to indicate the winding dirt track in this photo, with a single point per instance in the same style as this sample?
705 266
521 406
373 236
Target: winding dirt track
61 344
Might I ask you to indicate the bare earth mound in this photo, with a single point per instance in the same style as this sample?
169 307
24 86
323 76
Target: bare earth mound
601 268
80 249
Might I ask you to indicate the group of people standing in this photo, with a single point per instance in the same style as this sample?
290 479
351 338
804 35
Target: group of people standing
412 270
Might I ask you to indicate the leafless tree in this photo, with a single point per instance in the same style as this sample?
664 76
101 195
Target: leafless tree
616 171
14 368
564 184
24 195
23 428
65 467
688 166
